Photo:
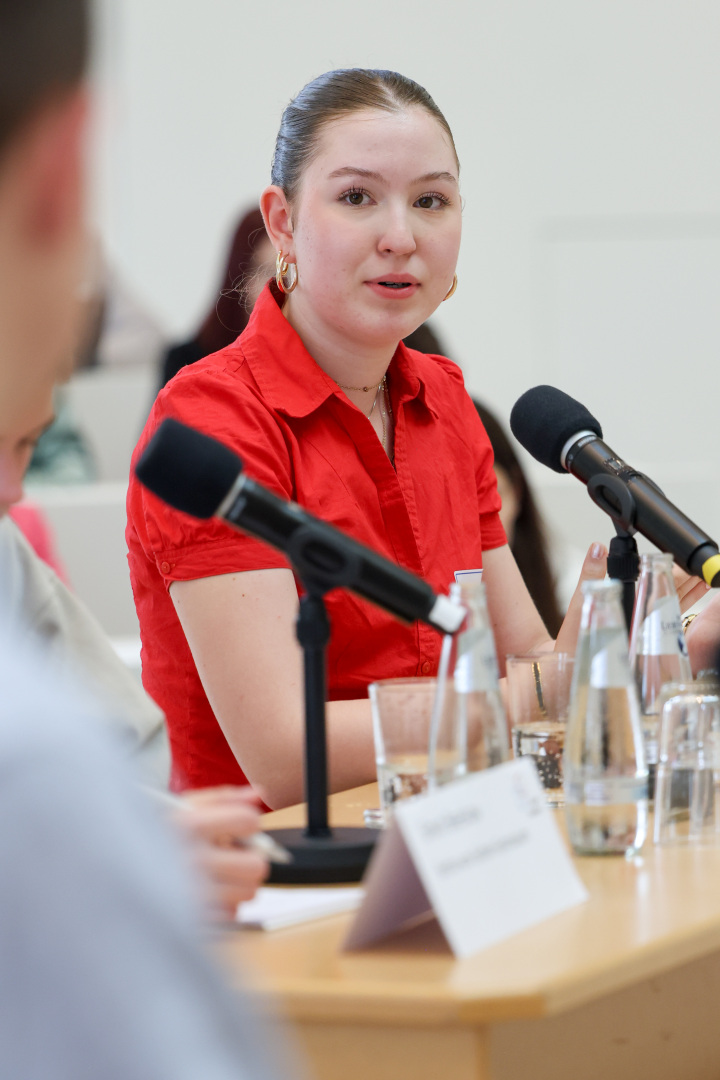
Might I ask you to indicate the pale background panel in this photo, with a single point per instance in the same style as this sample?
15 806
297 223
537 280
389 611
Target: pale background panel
588 138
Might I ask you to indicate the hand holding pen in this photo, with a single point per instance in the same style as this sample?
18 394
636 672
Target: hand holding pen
223 823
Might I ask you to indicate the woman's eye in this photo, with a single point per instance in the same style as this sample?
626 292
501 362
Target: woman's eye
432 201
355 197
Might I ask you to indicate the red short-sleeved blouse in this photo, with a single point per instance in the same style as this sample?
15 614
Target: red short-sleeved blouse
297 433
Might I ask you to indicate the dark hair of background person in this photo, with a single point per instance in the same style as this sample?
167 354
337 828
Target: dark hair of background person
331 97
44 47
228 315
529 543
424 340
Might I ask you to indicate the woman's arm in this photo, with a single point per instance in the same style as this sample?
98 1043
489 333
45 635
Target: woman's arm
241 632
515 621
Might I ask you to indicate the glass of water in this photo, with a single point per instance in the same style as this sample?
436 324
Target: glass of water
687 792
401 712
538 696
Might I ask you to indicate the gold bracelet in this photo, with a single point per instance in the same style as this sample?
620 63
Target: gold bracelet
539 689
688 619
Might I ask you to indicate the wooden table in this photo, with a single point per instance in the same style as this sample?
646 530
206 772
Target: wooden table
625 985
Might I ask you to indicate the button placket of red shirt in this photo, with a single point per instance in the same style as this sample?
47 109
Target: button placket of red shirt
428 638
396 514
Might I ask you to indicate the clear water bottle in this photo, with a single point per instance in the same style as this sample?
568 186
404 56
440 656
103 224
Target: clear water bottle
469 685
658 654
606 777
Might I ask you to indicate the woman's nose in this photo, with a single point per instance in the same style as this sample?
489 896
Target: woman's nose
397 234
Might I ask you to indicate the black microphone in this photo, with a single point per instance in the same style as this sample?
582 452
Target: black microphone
204 478
560 432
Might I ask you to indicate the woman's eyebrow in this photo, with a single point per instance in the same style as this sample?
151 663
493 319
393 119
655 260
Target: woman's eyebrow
353 170
435 176
368 174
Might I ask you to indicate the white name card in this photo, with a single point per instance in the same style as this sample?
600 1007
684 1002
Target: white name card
483 854
467 577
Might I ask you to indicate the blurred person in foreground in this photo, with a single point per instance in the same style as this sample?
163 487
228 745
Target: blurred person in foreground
103 973
43 612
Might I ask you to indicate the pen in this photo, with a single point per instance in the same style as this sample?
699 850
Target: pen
268 847
258 841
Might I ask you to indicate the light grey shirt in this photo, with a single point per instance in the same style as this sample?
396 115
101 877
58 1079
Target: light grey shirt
41 610
102 975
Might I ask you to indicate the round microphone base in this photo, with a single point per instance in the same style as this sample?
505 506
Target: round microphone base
341 856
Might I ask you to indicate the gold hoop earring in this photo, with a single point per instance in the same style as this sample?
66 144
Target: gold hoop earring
282 268
453 287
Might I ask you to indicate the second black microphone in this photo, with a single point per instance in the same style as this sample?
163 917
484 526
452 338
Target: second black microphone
562 434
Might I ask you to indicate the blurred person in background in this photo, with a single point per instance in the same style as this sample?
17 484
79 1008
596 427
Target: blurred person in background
519 513
102 970
121 331
523 523
250 262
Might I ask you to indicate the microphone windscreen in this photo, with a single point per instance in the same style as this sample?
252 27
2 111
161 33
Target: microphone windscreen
543 420
188 470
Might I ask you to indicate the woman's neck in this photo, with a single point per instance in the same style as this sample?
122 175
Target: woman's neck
351 365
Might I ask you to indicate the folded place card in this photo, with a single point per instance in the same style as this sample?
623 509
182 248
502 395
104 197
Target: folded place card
484 854
272 908
467 577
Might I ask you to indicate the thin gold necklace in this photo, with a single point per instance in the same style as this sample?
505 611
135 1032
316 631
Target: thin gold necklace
380 392
365 389
385 403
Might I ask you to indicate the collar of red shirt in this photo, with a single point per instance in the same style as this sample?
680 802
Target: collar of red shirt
293 383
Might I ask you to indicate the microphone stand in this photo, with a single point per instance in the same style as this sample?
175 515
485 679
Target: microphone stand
320 854
623 564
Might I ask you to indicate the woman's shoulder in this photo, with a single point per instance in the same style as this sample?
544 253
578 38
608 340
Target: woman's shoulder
433 367
219 397
218 381
441 378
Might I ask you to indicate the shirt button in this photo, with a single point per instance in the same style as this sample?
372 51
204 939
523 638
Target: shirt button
425 667
165 567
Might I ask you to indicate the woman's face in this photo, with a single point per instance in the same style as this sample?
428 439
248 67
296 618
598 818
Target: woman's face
376 226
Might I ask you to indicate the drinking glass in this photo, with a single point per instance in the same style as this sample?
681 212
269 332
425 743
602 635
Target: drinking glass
538 696
401 712
687 791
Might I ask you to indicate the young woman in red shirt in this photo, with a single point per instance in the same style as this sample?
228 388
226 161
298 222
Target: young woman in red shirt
326 406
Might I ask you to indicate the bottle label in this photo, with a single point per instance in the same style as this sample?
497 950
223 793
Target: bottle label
607 791
661 633
476 666
610 667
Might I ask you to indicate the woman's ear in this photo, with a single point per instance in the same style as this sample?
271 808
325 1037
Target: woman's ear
278 218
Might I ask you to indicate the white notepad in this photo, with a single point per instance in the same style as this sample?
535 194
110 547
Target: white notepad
273 908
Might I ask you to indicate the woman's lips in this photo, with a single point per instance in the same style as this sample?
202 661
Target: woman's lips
394 288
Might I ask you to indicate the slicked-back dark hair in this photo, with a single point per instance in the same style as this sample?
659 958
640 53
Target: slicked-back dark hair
43 53
334 95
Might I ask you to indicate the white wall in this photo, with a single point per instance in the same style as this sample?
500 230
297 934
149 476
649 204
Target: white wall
589 140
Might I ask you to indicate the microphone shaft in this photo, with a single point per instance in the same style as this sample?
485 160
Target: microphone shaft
255 509
661 522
